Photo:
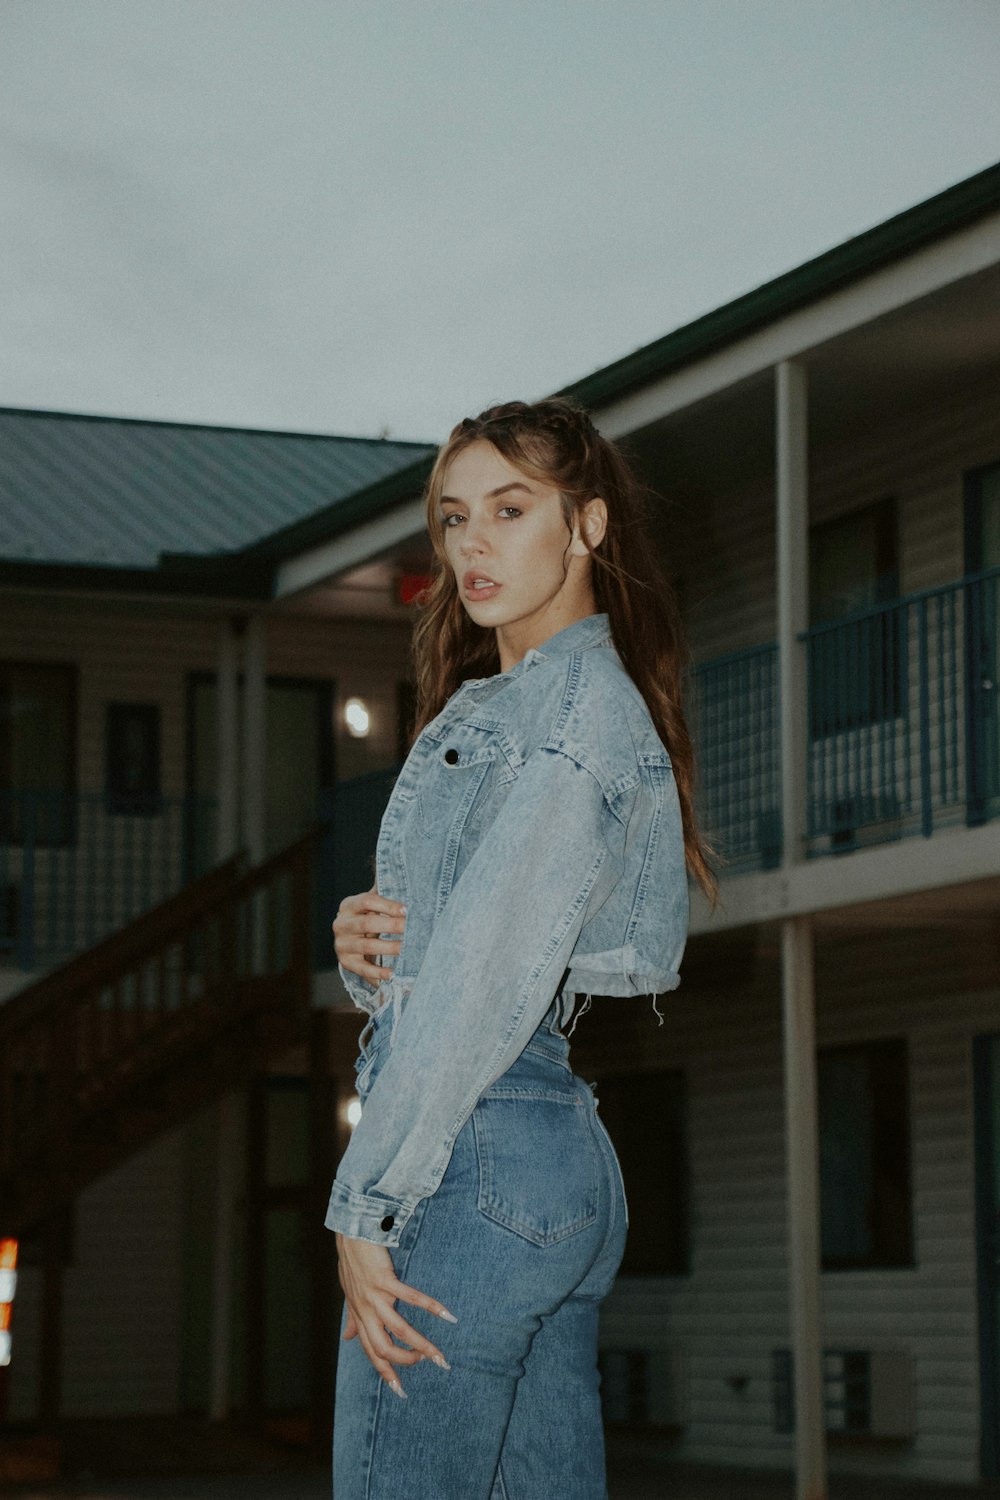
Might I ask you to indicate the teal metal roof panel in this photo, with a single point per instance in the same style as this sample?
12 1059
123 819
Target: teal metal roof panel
114 493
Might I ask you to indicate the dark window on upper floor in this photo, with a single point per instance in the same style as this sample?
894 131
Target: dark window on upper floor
132 758
646 1117
37 752
864 1136
857 670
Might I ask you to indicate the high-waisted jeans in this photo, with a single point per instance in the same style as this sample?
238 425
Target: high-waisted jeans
521 1241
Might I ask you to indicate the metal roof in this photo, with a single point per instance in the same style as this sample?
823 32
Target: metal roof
265 472
936 218
105 492
946 213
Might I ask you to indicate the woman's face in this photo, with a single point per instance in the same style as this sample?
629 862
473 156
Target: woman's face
519 568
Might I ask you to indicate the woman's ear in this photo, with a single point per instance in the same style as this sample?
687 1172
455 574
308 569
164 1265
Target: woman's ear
593 523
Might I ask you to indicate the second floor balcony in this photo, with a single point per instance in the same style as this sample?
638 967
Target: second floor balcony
903 723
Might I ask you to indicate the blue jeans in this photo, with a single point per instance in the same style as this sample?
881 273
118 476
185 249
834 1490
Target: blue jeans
521 1241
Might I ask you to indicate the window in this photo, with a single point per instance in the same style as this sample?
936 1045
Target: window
856 674
37 752
864 1134
132 781
645 1114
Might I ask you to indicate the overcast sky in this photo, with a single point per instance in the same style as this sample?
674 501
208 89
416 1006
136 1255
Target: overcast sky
355 216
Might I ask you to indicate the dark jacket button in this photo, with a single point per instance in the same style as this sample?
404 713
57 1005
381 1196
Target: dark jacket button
451 756
387 1222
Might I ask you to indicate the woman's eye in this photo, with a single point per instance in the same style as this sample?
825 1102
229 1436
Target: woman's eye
512 508
446 521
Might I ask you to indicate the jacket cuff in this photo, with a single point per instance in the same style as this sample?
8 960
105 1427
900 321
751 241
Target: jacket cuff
361 992
360 1217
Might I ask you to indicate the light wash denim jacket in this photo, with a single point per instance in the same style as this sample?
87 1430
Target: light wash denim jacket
534 835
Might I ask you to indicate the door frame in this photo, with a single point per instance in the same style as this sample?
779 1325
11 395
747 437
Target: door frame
326 693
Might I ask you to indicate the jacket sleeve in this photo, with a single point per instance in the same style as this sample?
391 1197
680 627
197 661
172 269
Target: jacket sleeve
359 990
492 967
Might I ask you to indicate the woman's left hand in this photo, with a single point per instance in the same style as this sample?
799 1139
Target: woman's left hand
371 1290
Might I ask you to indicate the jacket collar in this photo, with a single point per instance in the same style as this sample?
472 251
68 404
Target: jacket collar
591 630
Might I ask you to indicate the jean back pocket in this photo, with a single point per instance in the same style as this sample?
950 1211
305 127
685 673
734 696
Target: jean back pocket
539 1171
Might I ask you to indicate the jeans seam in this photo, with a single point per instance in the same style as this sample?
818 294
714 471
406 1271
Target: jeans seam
611 1172
504 1492
380 1388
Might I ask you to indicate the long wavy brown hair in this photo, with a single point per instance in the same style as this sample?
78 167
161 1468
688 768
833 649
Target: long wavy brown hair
556 443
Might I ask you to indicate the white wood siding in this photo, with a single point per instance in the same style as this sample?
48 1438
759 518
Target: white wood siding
725 551
147 656
731 1312
122 1296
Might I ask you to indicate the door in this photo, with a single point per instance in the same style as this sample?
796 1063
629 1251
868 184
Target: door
982 644
299 762
986 1060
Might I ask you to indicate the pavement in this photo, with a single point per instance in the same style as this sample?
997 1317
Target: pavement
148 1459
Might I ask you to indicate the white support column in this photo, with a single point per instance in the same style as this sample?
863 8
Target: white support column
802 1158
792 530
797 948
227 777
254 736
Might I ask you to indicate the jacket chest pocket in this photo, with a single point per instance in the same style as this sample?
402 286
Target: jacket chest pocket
463 779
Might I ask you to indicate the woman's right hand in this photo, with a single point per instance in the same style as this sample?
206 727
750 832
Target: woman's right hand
356 929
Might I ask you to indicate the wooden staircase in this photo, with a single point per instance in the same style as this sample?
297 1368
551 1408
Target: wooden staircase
117 1046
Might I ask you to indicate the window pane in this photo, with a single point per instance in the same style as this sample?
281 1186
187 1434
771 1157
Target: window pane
37 752
865 1155
36 728
133 757
856 674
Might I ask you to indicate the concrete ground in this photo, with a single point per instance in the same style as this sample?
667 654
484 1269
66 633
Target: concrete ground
150 1459
635 1480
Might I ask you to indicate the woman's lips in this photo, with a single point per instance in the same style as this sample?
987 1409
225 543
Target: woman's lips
487 591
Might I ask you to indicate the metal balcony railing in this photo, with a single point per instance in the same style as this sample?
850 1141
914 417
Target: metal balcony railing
903 719
903 716
733 711
76 867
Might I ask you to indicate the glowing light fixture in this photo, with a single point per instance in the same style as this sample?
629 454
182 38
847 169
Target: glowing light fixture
353 1110
357 718
8 1285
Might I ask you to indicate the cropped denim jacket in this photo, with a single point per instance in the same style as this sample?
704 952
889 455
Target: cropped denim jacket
534 835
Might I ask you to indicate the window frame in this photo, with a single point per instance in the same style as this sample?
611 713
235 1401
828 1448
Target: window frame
868 697
12 827
894 1246
148 800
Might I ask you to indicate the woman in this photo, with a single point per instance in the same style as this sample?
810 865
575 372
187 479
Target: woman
535 847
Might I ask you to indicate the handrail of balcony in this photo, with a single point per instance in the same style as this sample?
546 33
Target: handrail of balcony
903 712
75 866
882 606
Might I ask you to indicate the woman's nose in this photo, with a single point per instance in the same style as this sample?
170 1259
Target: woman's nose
472 539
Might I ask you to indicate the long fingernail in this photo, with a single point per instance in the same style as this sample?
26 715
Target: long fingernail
448 1317
395 1386
439 1359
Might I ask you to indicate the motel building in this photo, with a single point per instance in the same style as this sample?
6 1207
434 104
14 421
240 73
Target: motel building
204 694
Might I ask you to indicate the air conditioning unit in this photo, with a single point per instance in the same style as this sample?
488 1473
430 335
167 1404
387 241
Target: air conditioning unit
866 1392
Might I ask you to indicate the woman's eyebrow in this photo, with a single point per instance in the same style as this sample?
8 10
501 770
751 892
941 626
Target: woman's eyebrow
503 489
